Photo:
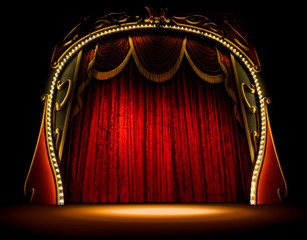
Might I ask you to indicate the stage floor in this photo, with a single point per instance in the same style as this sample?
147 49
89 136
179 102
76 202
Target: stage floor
109 221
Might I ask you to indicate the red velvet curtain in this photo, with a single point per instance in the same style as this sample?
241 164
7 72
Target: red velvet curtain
135 140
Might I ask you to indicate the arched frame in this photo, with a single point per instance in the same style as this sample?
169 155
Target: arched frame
223 34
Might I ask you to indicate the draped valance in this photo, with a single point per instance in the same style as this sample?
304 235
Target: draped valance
157 57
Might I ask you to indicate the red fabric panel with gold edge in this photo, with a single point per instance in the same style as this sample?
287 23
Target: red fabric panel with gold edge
271 178
40 176
237 36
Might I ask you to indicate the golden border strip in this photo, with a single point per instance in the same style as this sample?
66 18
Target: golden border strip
258 164
281 195
246 127
43 98
68 113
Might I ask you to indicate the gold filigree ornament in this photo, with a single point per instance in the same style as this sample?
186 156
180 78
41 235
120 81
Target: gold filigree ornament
157 16
59 106
253 110
251 89
111 18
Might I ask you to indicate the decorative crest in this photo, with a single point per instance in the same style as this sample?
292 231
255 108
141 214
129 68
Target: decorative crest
157 16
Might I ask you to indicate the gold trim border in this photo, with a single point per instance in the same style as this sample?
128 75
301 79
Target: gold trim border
281 195
67 117
245 121
43 98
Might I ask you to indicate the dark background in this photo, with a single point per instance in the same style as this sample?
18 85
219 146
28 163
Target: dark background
31 31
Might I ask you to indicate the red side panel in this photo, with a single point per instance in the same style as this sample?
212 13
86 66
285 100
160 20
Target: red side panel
236 35
40 176
271 179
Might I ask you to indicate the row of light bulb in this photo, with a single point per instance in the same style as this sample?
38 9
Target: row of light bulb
89 38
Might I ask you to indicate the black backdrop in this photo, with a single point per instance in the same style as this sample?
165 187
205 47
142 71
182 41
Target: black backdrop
30 32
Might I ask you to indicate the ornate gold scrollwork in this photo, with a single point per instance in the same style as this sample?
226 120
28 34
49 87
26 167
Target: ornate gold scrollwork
198 20
252 90
116 19
253 110
67 42
73 35
57 107
57 131
57 134
111 18
282 193
267 100
240 40
255 138
157 16
30 194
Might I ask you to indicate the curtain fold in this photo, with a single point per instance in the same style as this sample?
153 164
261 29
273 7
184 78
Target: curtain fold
157 53
135 140
229 83
112 56
157 57
84 77
204 61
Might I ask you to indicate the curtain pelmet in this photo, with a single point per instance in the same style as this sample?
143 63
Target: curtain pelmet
112 73
206 77
147 47
110 57
157 77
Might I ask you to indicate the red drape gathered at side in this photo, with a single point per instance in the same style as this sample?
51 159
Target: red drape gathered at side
135 140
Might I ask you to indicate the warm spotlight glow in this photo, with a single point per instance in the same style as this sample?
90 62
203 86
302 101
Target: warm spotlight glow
102 221
161 211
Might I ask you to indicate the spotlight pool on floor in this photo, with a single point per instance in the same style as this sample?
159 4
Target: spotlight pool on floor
163 211
140 221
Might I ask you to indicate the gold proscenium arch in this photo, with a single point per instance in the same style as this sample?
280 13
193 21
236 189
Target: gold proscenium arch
76 46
